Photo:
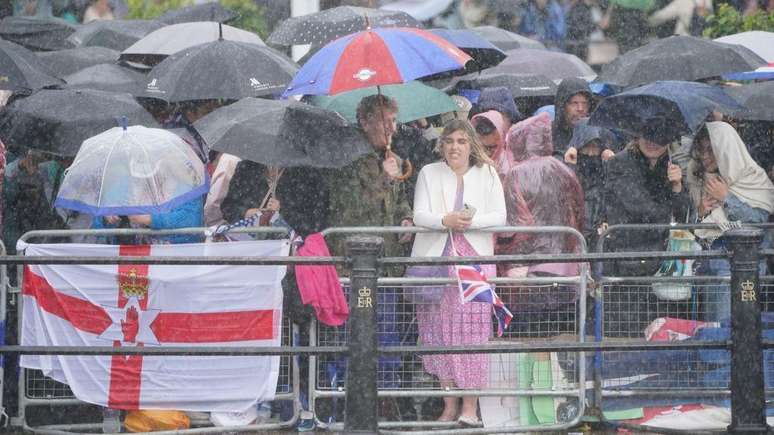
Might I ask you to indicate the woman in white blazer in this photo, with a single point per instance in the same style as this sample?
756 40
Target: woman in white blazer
459 194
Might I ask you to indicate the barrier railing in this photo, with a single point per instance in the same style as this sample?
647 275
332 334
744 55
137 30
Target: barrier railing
35 389
400 377
747 399
624 306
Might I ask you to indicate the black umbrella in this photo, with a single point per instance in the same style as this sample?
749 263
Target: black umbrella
220 70
282 133
551 64
520 85
59 120
22 71
757 98
687 104
483 52
322 27
106 77
66 62
212 11
678 58
505 40
38 34
115 34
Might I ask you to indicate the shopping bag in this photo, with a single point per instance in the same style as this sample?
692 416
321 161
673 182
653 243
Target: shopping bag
150 420
679 241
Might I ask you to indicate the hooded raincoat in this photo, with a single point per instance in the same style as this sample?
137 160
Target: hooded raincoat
502 158
561 130
540 190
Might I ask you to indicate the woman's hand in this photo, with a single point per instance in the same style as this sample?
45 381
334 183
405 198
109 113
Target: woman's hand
390 167
250 212
406 237
457 221
675 176
112 220
717 188
708 204
571 156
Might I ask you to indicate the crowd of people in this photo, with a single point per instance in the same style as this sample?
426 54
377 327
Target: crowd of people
496 161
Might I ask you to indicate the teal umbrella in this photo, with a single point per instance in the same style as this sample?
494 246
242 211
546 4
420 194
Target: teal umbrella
415 101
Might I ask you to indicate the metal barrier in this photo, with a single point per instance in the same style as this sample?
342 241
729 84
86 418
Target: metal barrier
398 324
626 306
3 302
745 346
35 389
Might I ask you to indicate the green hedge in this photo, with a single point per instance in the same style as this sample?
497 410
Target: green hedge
727 21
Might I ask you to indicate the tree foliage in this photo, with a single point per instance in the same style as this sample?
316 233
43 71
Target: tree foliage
251 16
728 21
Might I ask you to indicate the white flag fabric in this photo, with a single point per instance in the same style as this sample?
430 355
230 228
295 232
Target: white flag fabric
157 305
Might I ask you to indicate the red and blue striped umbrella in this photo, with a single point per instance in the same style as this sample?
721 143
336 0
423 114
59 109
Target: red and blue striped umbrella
374 57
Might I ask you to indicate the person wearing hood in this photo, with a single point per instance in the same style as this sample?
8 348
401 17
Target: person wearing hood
539 191
725 185
643 187
498 98
491 127
572 103
591 170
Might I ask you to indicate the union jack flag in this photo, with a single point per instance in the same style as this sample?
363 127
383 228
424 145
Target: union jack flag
475 288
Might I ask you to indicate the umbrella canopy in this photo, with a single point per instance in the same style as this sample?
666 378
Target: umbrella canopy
520 85
484 53
106 77
322 27
758 100
376 57
282 133
211 11
551 64
66 62
58 120
759 42
686 103
22 71
220 70
678 58
38 34
168 40
116 34
134 170
762 73
505 40
415 100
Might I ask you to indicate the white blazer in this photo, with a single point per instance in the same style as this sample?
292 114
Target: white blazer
434 198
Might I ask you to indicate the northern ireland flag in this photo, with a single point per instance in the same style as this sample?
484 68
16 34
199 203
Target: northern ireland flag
155 305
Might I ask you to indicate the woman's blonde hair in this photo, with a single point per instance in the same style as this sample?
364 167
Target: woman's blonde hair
478 156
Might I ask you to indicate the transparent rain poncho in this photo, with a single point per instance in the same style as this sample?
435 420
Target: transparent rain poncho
134 170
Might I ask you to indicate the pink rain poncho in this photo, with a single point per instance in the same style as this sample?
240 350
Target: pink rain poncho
542 191
502 159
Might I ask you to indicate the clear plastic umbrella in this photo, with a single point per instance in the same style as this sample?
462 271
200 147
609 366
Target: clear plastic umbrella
132 170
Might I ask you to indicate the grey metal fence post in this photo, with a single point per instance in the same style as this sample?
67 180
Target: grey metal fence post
748 401
362 405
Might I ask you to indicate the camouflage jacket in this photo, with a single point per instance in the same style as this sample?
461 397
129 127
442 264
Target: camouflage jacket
361 195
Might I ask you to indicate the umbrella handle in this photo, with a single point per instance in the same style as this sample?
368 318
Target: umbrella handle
408 168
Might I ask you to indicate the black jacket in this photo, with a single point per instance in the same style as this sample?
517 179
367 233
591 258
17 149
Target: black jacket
301 193
637 194
561 131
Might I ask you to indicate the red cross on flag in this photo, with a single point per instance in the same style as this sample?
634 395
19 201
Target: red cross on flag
155 305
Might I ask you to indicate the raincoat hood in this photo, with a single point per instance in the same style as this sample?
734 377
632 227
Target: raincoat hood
531 138
498 98
498 120
583 133
561 129
745 179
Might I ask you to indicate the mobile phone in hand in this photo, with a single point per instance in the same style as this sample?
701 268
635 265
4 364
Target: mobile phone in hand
468 211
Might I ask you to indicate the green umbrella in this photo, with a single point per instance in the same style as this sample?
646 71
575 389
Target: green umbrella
415 101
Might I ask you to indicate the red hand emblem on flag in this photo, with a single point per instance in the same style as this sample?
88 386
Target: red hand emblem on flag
131 325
